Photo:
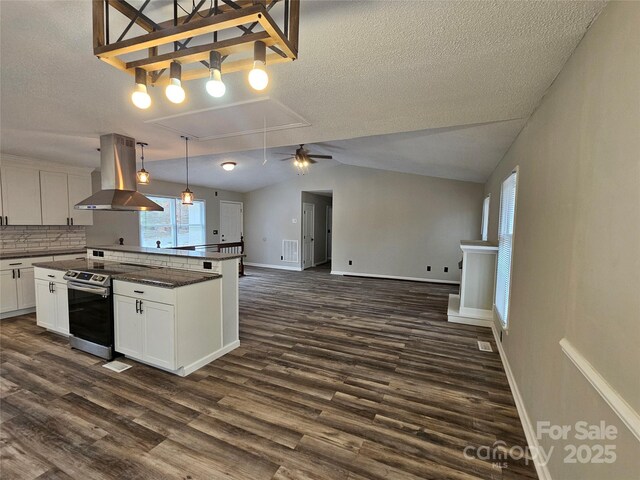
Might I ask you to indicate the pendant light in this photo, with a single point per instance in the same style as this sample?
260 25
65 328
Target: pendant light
142 176
140 97
187 195
215 86
258 77
174 91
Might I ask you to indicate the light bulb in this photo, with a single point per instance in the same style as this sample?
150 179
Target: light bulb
228 166
143 177
215 85
174 91
258 77
305 163
140 97
187 197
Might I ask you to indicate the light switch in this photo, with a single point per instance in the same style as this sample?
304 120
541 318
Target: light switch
294 220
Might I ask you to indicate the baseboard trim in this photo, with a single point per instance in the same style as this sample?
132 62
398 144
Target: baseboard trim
16 313
529 431
618 404
454 315
183 372
393 277
277 267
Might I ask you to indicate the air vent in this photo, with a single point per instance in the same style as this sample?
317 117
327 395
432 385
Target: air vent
484 346
290 251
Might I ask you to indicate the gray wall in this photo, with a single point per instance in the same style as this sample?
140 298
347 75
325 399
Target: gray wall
321 202
576 263
109 226
387 223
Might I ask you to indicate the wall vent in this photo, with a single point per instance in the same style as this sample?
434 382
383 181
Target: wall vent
290 251
484 346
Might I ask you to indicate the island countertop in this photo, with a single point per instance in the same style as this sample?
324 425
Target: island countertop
171 252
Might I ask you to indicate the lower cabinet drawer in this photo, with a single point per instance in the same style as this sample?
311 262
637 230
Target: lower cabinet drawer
144 292
49 275
12 263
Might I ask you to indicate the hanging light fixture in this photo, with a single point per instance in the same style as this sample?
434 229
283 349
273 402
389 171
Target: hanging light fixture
215 85
142 176
187 195
228 166
174 91
258 77
140 97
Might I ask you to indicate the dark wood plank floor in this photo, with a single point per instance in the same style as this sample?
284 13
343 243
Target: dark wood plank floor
336 378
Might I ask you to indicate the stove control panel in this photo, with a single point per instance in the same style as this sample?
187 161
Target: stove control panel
87 277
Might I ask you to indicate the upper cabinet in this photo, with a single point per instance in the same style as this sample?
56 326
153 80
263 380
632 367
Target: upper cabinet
20 196
41 193
60 192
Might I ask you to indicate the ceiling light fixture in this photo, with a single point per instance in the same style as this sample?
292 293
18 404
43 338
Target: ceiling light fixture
215 86
228 166
258 77
140 97
174 91
142 176
187 195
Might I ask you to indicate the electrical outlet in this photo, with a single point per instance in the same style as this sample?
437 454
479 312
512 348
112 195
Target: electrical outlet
281 257
428 268
215 232
216 194
350 262
446 269
207 265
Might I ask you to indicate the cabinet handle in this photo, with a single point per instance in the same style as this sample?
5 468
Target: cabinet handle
18 273
53 287
19 263
138 291
137 309
13 273
51 276
1 220
6 220
140 306
50 287
67 220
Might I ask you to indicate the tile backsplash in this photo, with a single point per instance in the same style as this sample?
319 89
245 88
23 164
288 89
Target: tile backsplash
36 237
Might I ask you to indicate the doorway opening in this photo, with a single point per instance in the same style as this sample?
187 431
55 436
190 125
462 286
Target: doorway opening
317 229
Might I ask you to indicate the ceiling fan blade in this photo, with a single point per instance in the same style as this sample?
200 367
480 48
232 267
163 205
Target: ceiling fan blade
280 153
312 161
328 157
286 159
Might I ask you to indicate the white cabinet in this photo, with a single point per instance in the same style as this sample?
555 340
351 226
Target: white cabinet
8 291
17 288
21 196
60 192
26 288
52 303
145 330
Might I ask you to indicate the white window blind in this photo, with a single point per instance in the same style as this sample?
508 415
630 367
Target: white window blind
505 246
485 218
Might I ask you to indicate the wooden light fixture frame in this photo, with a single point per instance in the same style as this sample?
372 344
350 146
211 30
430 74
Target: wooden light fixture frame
244 15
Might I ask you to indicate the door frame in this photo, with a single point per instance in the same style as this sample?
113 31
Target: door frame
313 233
328 233
241 219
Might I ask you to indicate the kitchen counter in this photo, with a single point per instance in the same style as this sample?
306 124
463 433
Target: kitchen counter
41 253
85 264
166 277
171 252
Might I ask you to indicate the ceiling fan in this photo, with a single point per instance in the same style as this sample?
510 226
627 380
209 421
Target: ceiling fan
302 158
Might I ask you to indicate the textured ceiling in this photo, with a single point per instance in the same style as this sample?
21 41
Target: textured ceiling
365 69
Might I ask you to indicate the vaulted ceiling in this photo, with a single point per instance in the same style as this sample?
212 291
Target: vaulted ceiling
462 76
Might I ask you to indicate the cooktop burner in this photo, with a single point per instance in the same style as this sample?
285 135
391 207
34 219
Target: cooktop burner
99 272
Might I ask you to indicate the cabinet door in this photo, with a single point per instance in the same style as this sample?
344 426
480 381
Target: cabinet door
1 209
54 198
60 292
128 326
8 291
21 196
45 305
159 334
79 189
26 288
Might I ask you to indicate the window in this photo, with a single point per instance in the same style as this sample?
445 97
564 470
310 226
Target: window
177 226
505 246
485 218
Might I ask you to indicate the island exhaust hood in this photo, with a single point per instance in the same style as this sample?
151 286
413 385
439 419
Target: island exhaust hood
118 171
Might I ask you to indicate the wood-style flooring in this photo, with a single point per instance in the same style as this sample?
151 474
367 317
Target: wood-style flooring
336 378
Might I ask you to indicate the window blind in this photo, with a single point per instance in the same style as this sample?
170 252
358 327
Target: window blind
505 246
485 218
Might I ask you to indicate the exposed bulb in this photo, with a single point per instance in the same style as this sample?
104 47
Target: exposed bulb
174 91
143 177
258 77
140 97
187 197
215 85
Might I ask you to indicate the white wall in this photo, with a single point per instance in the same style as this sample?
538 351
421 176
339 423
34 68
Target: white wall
387 223
109 226
576 254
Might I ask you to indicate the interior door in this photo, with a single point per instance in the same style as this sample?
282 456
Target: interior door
21 196
308 218
8 291
55 204
230 221
26 288
79 189
329 228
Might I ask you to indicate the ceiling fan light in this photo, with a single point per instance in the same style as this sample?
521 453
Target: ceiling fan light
228 166
174 91
140 97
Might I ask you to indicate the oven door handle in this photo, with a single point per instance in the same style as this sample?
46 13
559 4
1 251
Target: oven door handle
104 291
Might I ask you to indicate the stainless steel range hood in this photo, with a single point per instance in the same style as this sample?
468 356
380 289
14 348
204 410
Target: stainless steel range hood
118 171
